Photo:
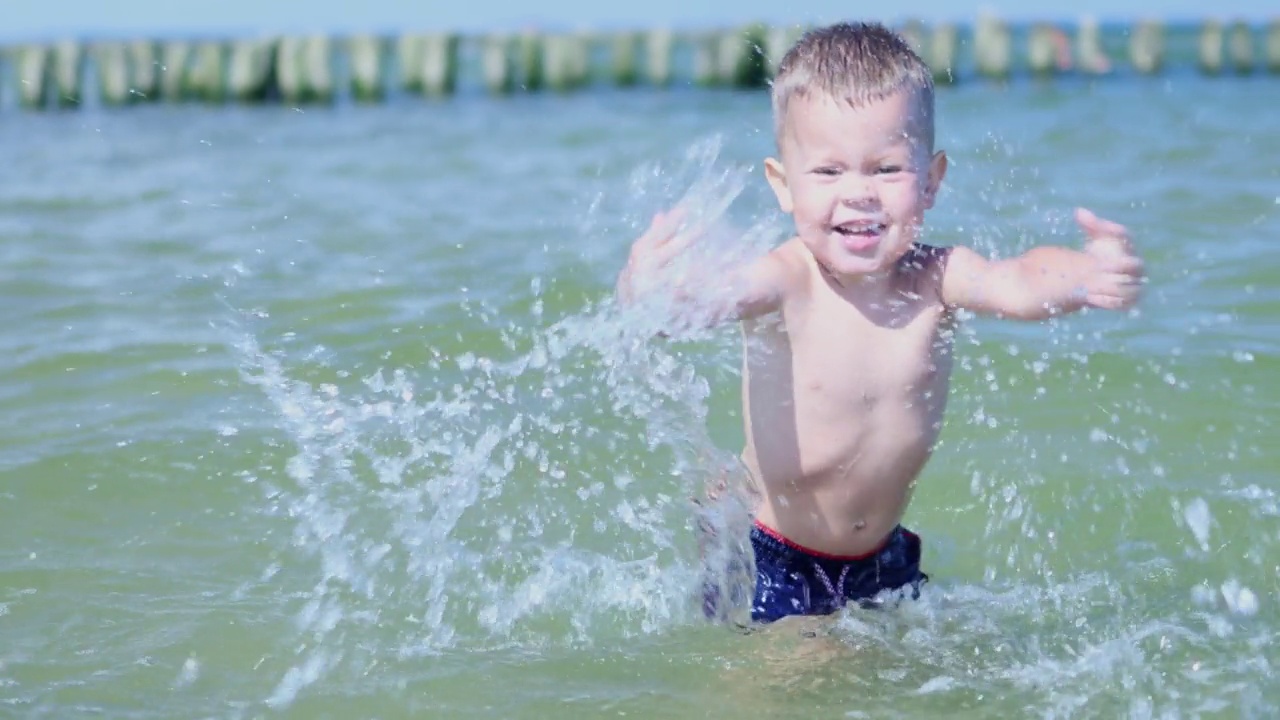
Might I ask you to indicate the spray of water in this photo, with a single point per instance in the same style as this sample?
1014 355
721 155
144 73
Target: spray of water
532 496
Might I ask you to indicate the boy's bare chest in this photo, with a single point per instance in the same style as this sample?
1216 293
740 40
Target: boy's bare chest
843 359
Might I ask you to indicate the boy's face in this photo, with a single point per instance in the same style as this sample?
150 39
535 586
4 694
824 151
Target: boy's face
856 180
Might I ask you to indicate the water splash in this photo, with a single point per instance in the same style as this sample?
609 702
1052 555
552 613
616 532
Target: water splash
538 495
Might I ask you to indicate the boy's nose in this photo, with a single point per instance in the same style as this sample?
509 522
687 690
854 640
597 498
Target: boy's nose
857 193
856 190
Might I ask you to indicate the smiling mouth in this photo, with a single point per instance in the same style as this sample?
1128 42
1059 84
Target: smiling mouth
860 229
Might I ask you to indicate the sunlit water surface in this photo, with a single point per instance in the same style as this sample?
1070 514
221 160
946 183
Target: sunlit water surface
330 414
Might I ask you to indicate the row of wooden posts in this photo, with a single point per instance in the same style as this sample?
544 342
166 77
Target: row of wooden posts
300 70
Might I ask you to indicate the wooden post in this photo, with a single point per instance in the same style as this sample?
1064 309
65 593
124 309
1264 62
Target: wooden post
1146 47
778 41
250 70
1042 50
174 57
112 62
530 59
439 64
565 61
993 47
1210 47
706 71
144 65
625 65
35 76
304 69
580 44
555 62
1273 46
496 65
206 78
1092 57
366 53
290 78
68 69
1240 47
913 32
317 64
658 46
409 62
942 58
741 57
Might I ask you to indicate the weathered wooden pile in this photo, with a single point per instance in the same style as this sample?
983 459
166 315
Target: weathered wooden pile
369 68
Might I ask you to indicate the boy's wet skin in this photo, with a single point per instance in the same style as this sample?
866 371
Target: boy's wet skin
847 326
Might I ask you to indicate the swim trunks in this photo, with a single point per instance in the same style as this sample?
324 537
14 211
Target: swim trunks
794 580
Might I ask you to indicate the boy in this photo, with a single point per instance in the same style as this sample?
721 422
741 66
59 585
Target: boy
848 325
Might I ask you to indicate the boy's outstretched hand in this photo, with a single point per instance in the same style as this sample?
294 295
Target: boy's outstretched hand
652 254
1117 278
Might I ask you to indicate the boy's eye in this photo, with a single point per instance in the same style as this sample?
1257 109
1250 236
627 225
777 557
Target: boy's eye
827 171
890 169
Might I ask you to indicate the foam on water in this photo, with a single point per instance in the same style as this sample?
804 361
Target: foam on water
409 497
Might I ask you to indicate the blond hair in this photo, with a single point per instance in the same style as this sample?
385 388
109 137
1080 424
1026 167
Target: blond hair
858 63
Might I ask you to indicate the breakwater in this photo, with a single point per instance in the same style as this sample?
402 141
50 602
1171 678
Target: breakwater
320 69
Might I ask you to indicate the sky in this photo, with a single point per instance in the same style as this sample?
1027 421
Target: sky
55 19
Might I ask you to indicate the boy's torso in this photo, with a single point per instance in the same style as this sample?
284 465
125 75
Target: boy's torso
842 406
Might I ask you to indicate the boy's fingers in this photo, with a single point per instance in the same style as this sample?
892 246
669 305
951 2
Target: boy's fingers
1120 292
1121 238
1097 228
1086 220
1095 225
669 228
658 225
654 222
676 241
1106 302
1122 265
1114 248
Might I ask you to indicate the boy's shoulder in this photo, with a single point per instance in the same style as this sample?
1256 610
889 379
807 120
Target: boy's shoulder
792 256
922 257
922 269
790 264
795 272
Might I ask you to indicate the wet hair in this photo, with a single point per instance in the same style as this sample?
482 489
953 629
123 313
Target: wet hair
858 63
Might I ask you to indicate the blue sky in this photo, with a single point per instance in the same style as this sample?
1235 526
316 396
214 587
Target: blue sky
47 19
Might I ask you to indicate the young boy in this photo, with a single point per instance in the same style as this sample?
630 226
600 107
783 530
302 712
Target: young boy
848 325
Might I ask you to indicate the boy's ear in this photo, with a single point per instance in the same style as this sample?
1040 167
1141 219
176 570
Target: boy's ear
937 171
776 174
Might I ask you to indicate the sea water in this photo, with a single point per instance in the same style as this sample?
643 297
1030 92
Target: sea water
332 414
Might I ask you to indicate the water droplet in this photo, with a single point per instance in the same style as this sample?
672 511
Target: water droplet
1198 518
190 672
1240 599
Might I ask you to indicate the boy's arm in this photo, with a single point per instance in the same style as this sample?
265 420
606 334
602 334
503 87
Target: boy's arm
1048 281
746 290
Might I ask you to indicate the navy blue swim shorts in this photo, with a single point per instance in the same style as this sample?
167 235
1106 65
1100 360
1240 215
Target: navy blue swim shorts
791 579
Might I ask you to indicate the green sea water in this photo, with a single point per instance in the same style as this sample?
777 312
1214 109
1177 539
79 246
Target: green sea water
327 414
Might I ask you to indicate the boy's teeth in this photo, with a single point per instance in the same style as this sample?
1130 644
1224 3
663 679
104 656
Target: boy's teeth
851 229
